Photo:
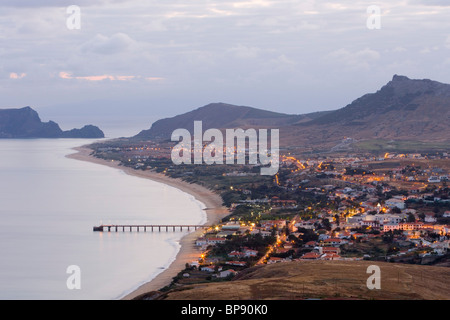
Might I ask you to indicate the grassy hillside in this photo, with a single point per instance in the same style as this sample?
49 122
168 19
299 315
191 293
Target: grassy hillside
324 279
403 146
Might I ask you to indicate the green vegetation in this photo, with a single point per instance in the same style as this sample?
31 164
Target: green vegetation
375 248
257 242
404 146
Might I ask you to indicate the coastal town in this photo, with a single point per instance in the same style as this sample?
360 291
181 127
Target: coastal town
392 207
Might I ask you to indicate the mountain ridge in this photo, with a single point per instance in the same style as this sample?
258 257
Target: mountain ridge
397 93
404 108
223 115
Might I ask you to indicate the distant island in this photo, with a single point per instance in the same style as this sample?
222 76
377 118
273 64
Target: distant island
25 123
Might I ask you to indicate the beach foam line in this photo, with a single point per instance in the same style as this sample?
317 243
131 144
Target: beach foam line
175 242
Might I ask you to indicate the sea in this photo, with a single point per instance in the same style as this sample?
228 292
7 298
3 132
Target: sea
49 205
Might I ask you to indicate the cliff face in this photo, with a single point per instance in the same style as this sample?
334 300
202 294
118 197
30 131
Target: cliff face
403 109
25 123
88 131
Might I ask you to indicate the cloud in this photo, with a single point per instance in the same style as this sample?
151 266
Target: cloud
153 78
67 75
447 42
54 3
231 50
358 59
14 75
429 49
440 3
252 4
244 52
399 49
117 43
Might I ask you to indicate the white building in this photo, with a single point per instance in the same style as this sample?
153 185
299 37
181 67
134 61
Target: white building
434 179
382 219
392 203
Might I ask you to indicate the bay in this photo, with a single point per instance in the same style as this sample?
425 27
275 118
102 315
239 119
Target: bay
48 207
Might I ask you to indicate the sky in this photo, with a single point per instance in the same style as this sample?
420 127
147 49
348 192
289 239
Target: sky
130 62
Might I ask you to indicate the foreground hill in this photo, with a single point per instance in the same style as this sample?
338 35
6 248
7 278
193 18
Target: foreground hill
25 123
324 279
403 109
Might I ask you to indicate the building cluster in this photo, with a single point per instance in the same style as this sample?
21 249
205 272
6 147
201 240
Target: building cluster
393 207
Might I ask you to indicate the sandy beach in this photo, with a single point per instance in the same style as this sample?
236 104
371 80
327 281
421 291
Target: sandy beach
188 252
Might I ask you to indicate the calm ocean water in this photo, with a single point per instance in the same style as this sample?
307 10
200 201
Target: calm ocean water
48 206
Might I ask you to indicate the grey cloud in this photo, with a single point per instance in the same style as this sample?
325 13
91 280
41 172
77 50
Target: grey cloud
443 3
114 44
45 3
53 3
287 54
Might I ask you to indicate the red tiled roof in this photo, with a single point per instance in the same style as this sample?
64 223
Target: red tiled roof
311 255
275 259
330 249
332 240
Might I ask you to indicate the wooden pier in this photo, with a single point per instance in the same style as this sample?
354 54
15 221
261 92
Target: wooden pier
146 227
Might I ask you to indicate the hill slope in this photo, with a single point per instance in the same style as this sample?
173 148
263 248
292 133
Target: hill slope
223 116
403 109
324 279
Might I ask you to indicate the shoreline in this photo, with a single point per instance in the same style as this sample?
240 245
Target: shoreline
188 252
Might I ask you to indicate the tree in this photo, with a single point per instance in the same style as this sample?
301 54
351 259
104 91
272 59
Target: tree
326 224
336 216
411 218
388 237
286 231
396 210
308 235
